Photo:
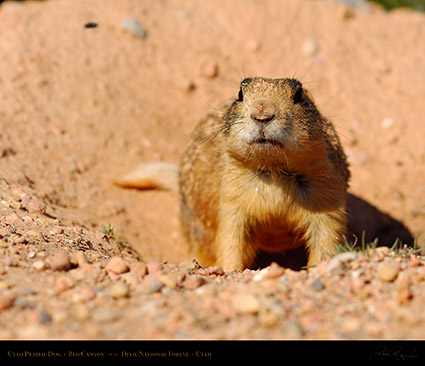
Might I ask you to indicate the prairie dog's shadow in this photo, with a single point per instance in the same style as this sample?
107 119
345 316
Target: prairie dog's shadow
362 217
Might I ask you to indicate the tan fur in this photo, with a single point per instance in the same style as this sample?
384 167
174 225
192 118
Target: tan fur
267 173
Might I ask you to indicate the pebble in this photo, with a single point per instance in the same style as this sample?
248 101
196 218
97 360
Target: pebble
83 293
414 261
169 281
133 26
34 234
202 272
59 316
57 230
7 298
90 25
340 261
293 330
380 252
17 193
310 47
350 325
17 239
355 265
14 204
216 270
4 244
193 282
28 219
13 219
155 267
39 265
271 272
113 276
193 264
139 269
119 290
106 315
173 280
269 318
209 69
253 45
63 283
117 265
33 205
152 285
81 259
358 284
245 303
387 272
44 316
59 262
317 285
25 303
4 285
347 14
403 292
387 123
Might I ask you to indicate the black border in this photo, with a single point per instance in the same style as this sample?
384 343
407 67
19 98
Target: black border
210 351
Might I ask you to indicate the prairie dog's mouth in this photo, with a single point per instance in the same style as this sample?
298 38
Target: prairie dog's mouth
264 141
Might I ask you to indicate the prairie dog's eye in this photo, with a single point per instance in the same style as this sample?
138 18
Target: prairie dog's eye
299 96
240 95
244 83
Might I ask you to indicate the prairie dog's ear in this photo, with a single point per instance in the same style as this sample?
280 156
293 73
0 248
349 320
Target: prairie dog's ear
308 94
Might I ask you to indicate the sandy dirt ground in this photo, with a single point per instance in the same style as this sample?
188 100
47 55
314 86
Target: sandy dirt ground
81 258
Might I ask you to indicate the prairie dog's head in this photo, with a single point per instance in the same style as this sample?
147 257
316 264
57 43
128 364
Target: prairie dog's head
272 122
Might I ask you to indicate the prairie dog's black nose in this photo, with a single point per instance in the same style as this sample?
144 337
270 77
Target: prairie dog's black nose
263 111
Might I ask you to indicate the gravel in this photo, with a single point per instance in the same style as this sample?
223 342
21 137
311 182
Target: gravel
353 295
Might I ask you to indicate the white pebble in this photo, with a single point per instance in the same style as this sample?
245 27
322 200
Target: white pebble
310 47
39 265
387 123
133 26
245 303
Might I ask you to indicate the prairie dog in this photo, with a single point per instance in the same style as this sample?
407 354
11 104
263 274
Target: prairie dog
268 173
